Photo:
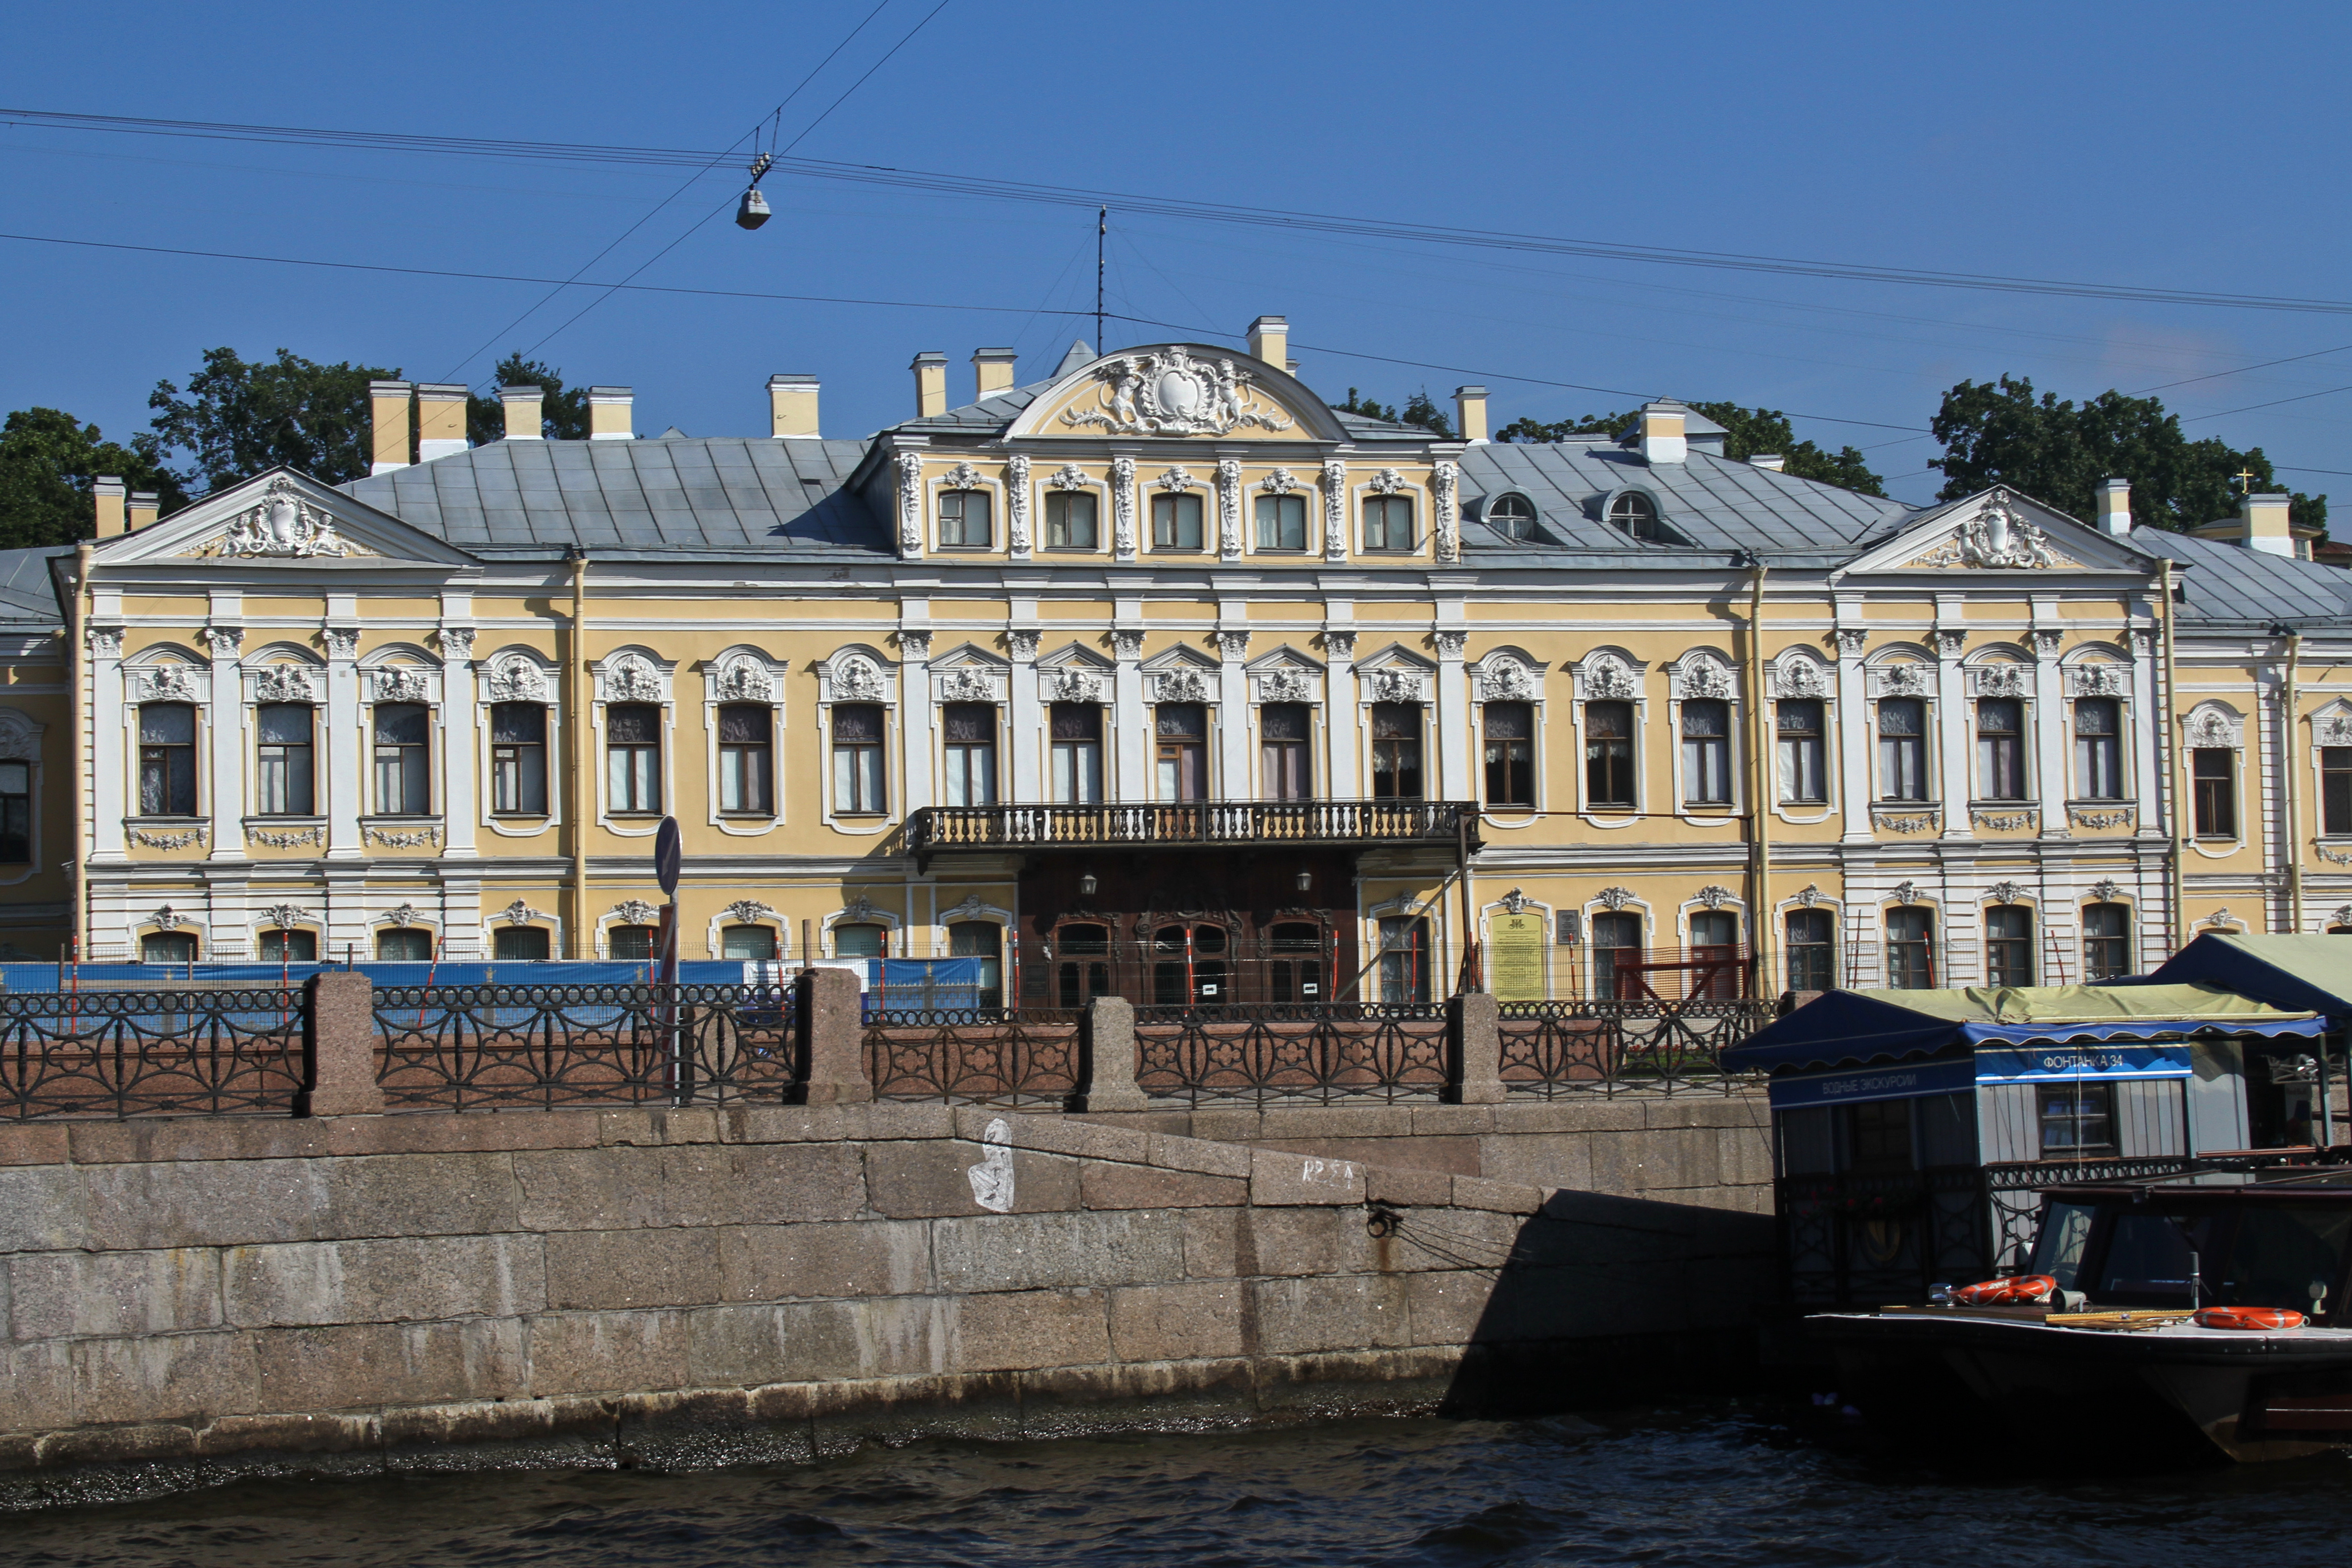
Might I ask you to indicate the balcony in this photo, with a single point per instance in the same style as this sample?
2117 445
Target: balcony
1195 825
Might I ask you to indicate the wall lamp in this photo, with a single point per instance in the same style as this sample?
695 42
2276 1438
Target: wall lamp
1087 885
1306 879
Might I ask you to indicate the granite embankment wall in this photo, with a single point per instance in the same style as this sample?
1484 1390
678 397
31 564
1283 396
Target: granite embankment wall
189 1297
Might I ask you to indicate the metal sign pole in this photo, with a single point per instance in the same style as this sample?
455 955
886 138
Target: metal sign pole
668 860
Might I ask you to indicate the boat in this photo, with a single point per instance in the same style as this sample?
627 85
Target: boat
2164 1319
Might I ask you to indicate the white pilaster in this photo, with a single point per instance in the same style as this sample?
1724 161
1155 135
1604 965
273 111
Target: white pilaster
2154 793
1130 721
1028 719
340 780
1342 721
918 716
1233 716
111 718
461 748
225 728
1952 731
1452 718
1853 747
2049 725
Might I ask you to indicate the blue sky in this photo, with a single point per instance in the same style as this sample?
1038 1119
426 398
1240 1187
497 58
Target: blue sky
2149 144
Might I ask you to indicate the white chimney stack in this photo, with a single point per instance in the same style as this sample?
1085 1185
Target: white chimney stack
1664 438
2115 507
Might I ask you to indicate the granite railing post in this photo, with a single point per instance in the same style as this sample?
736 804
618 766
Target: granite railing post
339 1047
832 1038
1107 1057
1473 1049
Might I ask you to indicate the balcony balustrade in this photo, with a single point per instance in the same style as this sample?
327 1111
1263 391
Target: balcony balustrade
1194 824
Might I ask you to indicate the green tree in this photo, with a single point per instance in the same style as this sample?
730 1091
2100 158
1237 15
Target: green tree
1747 432
1419 409
239 418
1370 408
2057 452
1534 432
48 459
563 413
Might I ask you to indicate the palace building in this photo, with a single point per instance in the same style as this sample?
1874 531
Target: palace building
1157 676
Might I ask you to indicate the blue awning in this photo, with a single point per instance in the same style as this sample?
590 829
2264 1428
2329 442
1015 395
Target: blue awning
1982 1034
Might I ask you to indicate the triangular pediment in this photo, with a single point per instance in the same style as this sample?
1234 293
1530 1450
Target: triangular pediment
1999 531
1180 391
286 517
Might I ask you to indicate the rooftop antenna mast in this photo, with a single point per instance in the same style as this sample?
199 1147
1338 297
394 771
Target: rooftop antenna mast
1102 227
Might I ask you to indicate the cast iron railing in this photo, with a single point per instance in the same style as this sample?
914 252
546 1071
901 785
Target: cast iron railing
151 1053
1569 1048
1327 1053
1193 824
458 1048
989 1056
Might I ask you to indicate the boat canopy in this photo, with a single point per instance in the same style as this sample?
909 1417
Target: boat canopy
2299 971
1842 1029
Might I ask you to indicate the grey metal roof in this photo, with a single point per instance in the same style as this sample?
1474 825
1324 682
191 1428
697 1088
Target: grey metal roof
26 600
714 494
1714 503
2227 585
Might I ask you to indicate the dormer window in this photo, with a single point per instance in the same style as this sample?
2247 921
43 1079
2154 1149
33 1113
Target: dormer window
1637 515
1512 517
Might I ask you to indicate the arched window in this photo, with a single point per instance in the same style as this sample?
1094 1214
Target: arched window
857 758
1284 729
1512 517
285 782
1295 966
983 940
861 941
2099 748
633 758
1081 964
167 948
2106 941
518 759
167 760
2000 748
970 730
1405 959
1510 732
1902 749
1707 752
1910 949
1396 751
1637 515
519 944
1180 732
1189 967
289 946
630 943
1813 952
404 945
1077 753
1609 755
404 779
2009 944
1615 938
1388 523
747 759
751 943
1714 946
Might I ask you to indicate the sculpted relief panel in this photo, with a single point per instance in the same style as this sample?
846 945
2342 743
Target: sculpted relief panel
1168 392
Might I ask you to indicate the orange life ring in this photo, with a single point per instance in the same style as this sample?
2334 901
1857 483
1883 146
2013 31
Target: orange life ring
2249 1318
2016 1288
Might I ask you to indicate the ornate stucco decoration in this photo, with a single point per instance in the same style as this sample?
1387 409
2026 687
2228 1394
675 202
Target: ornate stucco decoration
1907 680
167 919
1172 393
636 912
1447 484
1906 892
1068 476
1387 482
2046 642
1233 644
916 645
516 679
745 680
2336 730
860 911
401 684
397 839
1122 507
2333 857
405 916
1997 536
855 680
284 917
1514 901
2105 890
1810 896
1127 643
628 679
963 476
1903 821
1177 479
2005 893
1072 684
458 643
1286 686
293 839
1798 676
1182 685
2085 817
972 908
966 687
2342 916
1396 685
1022 643
1016 503
1607 679
2219 917
1850 641
1713 897
1505 679
1703 676
910 503
2003 821
2211 726
283 684
168 683
1949 641
1615 897
2001 681
750 910
521 913
1451 645
342 642
1334 510
103 641
1339 644
282 524
2095 681
166 839
1229 508
223 640
1281 482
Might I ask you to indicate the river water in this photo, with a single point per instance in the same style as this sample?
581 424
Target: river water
1718 1485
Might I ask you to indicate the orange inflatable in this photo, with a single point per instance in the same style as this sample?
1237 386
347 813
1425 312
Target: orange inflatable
2014 1291
2249 1318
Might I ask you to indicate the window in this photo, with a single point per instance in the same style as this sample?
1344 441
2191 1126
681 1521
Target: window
1804 751
1616 939
284 777
1180 733
631 944
1405 959
1510 730
15 812
404 783
1188 967
969 731
2335 789
2076 1119
1396 751
2106 941
518 759
1077 753
2214 771
1902 749
1387 522
1812 953
746 758
963 519
861 941
2099 750
400 946
167 948
1637 516
289 946
519 944
1284 729
1707 752
1609 755
1910 950
2001 749
983 940
857 758
1878 1136
1512 517
167 759
2009 944
1082 970
1070 520
1282 522
1715 941
751 943
633 757
1295 973
1175 521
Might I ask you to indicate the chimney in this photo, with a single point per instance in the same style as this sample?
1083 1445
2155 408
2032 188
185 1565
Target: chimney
2265 526
440 421
2115 507
1470 411
791 405
1663 440
930 384
1269 340
992 370
143 507
609 416
107 491
526 419
1772 460
388 417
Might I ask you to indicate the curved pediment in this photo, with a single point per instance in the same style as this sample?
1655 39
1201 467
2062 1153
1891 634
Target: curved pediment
1180 391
